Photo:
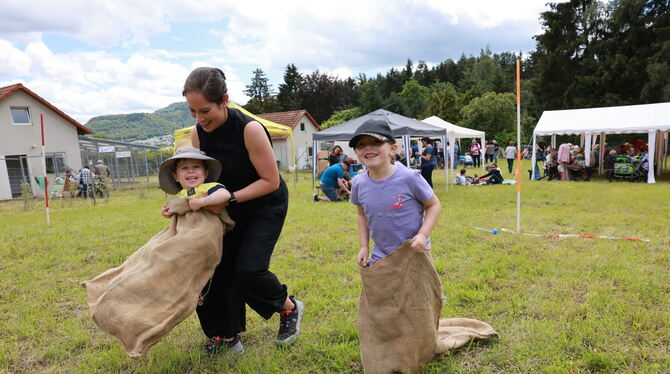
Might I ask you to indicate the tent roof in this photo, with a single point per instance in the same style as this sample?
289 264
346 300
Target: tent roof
610 120
400 125
454 131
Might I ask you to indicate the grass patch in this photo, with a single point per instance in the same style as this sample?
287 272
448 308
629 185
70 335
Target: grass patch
560 305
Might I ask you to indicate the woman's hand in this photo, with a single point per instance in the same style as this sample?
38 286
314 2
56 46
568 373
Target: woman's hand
165 211
418 244
362 258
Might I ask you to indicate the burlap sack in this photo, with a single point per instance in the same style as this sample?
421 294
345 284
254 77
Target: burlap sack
159 285
399 322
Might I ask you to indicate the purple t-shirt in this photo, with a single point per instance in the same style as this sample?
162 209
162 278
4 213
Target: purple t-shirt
393 207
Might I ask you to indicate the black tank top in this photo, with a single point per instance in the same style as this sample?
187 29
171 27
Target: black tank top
226 144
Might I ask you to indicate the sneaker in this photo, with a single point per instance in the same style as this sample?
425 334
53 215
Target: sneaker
289 323
218 345
316 198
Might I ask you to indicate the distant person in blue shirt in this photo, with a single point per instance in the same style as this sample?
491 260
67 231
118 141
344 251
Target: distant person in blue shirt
332 179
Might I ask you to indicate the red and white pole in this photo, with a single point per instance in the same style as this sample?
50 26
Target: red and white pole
44 169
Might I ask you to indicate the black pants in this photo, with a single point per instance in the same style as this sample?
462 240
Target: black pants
510 164
427 173
476 160
243 277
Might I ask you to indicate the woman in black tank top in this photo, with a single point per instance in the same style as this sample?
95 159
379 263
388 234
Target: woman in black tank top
258 204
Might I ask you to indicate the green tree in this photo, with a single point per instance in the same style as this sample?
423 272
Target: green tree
341 116
415 97
288 91
394 103
260 93
493 113
484 75
370 97
444 102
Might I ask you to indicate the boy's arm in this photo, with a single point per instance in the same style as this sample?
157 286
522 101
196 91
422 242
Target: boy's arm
343 186
431 214
217 197
363 237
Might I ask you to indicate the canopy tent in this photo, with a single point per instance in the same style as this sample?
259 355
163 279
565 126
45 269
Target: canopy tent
182 137
653 119
457 132
401 126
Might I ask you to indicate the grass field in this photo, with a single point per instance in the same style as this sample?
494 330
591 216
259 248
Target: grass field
560 305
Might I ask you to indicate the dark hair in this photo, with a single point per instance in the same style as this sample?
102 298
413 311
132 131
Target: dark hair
462 171
425 139
210 82
346 162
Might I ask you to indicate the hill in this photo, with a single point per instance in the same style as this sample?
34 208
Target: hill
141 126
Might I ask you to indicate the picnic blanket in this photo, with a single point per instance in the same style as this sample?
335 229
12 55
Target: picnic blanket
399 322
160 284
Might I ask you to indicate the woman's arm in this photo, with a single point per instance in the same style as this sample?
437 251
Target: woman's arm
431 214
217 197
195 140
363 237
263 158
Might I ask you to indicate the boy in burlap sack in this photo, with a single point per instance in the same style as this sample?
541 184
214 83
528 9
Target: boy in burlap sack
160 284
400 303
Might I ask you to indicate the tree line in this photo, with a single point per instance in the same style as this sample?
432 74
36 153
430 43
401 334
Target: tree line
590 53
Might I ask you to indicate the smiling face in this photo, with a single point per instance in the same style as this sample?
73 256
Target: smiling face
209 115
374 153
190 173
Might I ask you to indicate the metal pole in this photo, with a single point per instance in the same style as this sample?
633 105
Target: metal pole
518 148
146 165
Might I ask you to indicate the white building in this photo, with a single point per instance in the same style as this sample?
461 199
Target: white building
21 111
303 126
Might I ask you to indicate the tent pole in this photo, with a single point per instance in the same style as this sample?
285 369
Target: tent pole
315 156
601 167
553 141
443 139
587 150
651 152
408 149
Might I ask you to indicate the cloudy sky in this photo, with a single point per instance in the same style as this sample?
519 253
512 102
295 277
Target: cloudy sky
95 57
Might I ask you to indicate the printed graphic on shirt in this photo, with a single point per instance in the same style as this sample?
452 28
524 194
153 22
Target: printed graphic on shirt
398 203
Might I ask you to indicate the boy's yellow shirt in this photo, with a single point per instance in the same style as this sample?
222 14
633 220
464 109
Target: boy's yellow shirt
198 191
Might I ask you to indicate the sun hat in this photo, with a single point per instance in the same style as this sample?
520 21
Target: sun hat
376 128
171 186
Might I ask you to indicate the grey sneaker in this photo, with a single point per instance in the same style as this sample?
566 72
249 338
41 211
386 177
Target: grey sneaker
289 323
218 345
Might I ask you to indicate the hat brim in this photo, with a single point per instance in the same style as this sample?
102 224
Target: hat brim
380 137
167 182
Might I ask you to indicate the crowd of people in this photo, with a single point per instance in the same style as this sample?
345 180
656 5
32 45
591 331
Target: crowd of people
88 181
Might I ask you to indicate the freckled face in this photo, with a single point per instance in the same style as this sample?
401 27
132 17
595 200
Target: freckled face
209 115
190 173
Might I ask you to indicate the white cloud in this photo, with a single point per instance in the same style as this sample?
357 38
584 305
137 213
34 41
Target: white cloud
341 38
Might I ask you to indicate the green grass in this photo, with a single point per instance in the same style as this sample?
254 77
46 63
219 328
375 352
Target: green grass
560 305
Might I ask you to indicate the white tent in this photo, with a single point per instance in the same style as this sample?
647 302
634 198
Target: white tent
653 119
457 132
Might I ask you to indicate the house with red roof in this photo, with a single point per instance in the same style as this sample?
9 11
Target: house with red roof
303 126
21 141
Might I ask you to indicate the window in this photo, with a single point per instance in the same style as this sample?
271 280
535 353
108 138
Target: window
55 163
302 126
20 116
